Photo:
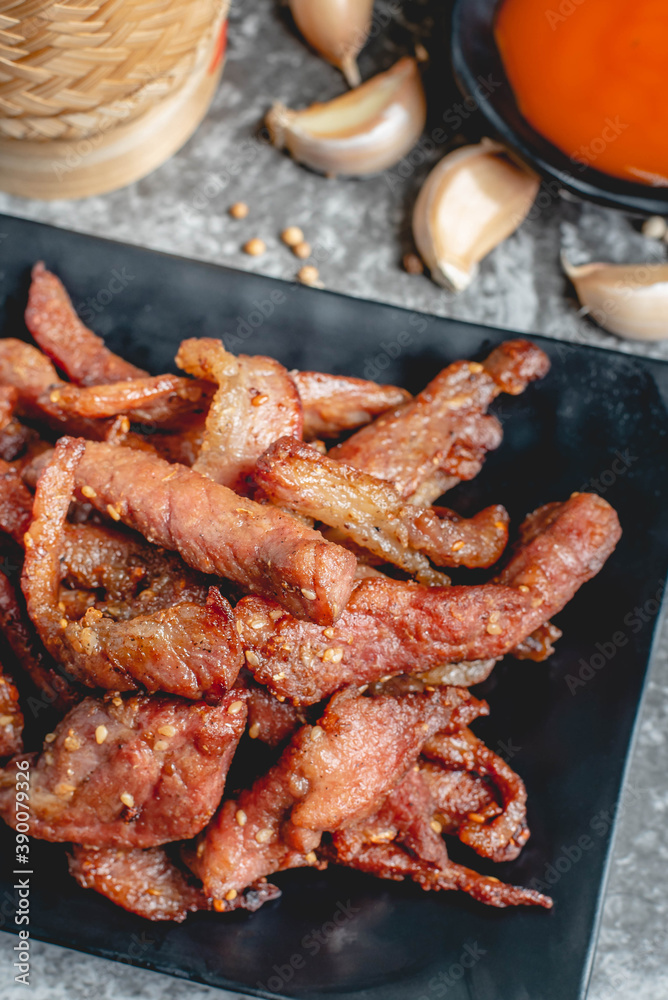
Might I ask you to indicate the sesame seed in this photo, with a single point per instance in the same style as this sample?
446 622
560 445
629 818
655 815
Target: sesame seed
311 857
167 731
89 492
219 905
127 799
161 745
239 210
254 731
436 826
259 399
239 627
64 623
49 738
457 546
292 236
101 734
117 701
235 707
499 525
251 658
241 817
64 789
308 275
72 742
255 247
523 587
262 836
475 367
333 655
317 732
476 817
280 676
27 540
232 894
302 250
113 513
494 630
329 633
310 595
275 614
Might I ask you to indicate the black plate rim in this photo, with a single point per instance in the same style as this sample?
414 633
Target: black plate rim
656 364
592 185
305 290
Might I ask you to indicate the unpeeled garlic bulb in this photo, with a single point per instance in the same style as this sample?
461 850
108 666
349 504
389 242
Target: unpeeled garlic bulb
337 29
470 202
366 130
630 300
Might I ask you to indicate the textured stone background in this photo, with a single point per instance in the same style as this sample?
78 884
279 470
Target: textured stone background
362 228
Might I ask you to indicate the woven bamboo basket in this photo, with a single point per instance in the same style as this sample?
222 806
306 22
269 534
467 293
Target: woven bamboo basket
95 94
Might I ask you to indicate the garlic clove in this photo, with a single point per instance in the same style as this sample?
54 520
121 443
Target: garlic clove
363 132
472 200
337 29
630 300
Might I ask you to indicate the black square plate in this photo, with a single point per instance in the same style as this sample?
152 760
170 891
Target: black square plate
597 422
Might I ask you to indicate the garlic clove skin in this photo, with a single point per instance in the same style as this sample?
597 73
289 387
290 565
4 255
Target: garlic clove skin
337 29
473 199
630 300
362 132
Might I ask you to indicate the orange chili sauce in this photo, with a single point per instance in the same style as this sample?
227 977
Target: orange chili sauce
590 75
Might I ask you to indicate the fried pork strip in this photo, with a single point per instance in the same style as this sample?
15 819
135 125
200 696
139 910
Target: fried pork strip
133 772
441 436
217 532
14 437
148 883
99 557
319 785
15 503
11 718
269 720
81 354
496 834
33 376
401 841
156 399
186 649
336 403
255 403
55 687
390 627
456 795
370 512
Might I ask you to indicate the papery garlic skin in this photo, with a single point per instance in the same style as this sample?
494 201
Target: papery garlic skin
473 199
337 29
630 300
362 132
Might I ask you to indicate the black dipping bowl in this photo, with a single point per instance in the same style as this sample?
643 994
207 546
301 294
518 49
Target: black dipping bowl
474 56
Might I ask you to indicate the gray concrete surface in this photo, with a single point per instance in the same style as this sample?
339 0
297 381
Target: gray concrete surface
361 229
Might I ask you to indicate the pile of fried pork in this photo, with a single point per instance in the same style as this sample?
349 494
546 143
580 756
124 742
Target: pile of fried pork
244 553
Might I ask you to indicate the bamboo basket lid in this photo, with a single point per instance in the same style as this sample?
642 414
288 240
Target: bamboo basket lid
96 93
